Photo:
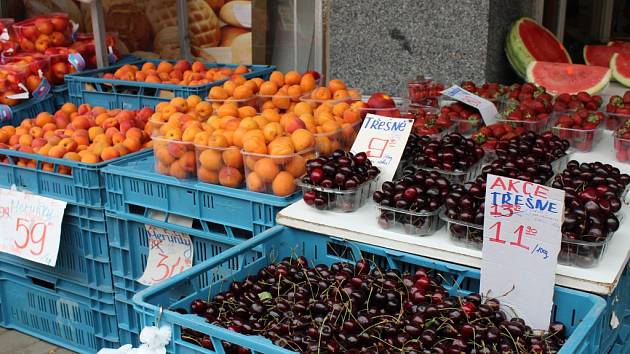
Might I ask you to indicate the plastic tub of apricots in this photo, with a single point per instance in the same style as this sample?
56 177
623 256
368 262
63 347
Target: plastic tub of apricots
34 66
174 157
283 91
275 174
39 33
220 165
146 83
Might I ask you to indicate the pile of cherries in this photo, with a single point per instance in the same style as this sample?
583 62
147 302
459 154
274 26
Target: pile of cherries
414 192
593 193
339 171
453 152
351 308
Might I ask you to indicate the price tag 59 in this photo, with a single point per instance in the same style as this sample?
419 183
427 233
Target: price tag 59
32 226
170 253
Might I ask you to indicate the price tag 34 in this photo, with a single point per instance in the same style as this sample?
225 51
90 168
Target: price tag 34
31 226
170 253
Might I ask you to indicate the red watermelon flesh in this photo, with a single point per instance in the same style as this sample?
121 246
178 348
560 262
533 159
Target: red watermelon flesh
619 44
542 45
599 55
560 78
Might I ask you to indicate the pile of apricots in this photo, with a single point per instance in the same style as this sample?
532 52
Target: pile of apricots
232 141
181 73
83 134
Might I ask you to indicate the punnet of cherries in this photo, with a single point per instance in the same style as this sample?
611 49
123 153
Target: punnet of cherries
593 196
342 181
412 201
356 308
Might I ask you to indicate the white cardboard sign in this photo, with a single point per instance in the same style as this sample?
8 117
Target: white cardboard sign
521 242
384 140
486 108
170 253
31 226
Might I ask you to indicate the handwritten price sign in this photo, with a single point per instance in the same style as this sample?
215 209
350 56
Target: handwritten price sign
170 253
521 241
486 108
31 226
383 139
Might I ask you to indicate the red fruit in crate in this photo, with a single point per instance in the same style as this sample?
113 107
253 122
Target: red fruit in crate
59 70
44 26
380 100
60 23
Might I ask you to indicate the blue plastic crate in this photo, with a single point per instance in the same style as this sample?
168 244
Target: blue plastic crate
134 188
618 303
580 312
83 252
129 250
89 87
60 312
60 95
29 109
85 186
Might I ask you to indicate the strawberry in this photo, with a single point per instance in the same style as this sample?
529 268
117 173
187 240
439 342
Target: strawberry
564 98
626 97
583 96
498 130
508 136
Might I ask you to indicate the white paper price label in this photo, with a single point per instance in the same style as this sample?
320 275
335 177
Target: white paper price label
383 139
170 253
486 108
521 242
31 226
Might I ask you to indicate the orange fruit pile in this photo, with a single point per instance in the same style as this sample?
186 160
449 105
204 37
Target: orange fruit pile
181 73
86 134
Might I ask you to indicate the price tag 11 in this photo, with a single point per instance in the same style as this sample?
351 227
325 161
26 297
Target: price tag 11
383 139
31 226
521 242
486 108
170 253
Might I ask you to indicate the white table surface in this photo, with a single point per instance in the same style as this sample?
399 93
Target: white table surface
361 226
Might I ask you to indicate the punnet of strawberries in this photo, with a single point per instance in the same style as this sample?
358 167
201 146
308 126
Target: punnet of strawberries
567 102
618 110
490 135
622 142
527 102
491 91
581 119
430 121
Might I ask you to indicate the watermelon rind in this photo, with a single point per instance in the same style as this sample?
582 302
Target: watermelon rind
624 80
516 51
554 91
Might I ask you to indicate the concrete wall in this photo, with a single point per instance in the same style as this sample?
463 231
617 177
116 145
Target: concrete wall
380 45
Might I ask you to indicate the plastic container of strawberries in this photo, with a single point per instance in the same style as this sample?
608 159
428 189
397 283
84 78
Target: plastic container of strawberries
580 139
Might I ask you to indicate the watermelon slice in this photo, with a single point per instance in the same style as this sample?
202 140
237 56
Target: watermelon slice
560 78
599 55
620 65
528 41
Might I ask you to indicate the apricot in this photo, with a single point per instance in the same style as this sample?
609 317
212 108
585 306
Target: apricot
208 176
230 177
218 93
72 156
272 130
308 82
296 166
246 111
57 151
266 168
242 92
335 85
271 115
163 155
321 93
302 139
132 144
109 153
295 92
203 109
248 124
211 159
283 184
228 109
176 170
254 182
217 141
190 132
281 99
25 140
277 77
268 88
302 108
188 162
232 157
281 146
